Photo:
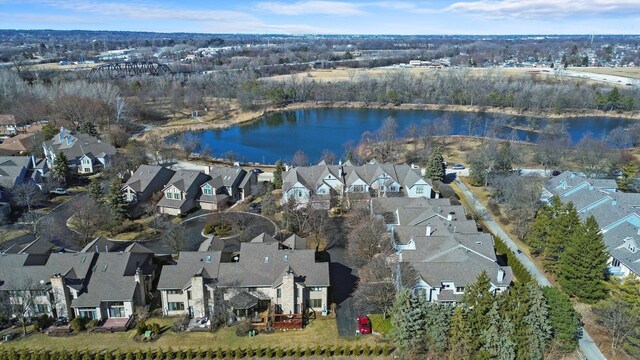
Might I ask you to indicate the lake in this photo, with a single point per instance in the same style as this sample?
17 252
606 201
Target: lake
279 135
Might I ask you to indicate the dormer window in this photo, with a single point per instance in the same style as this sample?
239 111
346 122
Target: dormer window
207 190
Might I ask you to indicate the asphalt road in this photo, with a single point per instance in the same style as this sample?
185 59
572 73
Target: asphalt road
588 348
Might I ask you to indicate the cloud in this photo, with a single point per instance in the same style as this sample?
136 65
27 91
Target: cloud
542 9
165 18
311 7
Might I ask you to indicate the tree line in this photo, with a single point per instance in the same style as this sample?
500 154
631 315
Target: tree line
527 322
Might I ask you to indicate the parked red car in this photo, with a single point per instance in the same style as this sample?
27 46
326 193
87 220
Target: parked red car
364 324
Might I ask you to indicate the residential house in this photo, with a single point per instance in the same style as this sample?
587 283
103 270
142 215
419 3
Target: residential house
16 170
447 250
617 214
227 184
96 285
263 273
182 192
86 154
18 144
316 184
145 181
8 124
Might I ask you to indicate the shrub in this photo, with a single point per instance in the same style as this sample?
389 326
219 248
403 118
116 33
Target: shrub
337 350
318 350
91 324
44 321
107 354
238 353
244 328
219 354
357 350
386 350
208 229
366 350
290 351
139 355
77 324
279 352
117 355
222 229
128 355
141 328
307 351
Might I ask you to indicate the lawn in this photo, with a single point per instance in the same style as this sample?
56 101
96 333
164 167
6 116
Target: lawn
321 332
379 324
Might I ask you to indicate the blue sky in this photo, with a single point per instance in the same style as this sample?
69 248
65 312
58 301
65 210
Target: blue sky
328 17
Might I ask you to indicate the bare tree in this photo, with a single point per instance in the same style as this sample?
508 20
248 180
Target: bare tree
619 319
27 196
300 159
317 225
176 238
592 156
328 157
155 144
85 221
376 290
366 240
24 300
152 210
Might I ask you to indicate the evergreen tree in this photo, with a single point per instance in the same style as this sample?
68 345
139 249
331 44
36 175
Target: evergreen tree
564 225
515 305
563 318
60 168
478 299
88 128
629 174
95 190
277 174
537 324
542 225
438 322
497 338
459 336
582 266
503 162
435 169
408 321
116 201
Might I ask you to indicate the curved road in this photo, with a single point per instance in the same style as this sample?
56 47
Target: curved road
588 347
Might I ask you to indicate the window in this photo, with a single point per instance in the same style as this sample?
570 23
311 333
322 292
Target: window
116 310
419 190
315 303
358 188
175 306
188 295
41 308
460 289
316 288
174 292
88 313
207 190
615 262
169 195
278 293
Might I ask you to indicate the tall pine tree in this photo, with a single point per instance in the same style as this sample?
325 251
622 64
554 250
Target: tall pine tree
116 202
478 300
277 174
60 168
408 322
563 318
537 325
541 227
95 189
460 336
438 322
435 167
582 266
498 337
566 223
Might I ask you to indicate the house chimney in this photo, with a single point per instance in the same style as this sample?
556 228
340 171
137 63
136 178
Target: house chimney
106 248
428 230
449 217
207 170
97 248
500 275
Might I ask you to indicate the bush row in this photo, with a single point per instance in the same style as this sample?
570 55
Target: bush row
7 353
519 270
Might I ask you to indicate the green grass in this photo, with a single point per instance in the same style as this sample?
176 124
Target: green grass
321 332
379 324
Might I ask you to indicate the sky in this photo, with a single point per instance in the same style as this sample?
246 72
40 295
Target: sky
418 17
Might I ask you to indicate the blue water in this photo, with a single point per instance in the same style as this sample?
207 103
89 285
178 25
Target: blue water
280 135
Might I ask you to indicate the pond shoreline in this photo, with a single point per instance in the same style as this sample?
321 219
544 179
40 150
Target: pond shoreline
244 117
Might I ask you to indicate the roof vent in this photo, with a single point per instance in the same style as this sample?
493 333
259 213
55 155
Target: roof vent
266 259
478 242
285 257
208 258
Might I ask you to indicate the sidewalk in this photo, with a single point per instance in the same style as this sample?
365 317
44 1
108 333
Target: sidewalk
588 348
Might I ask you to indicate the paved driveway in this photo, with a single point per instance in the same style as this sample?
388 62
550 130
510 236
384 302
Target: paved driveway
587 346
343 282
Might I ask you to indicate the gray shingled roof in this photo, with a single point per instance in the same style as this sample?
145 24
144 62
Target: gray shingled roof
189 263
145 174
112 278
262 264
75 145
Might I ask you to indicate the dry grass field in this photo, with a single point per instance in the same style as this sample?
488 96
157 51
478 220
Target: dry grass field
631 72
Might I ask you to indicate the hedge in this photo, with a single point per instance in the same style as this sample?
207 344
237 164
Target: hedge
519 270
9 353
